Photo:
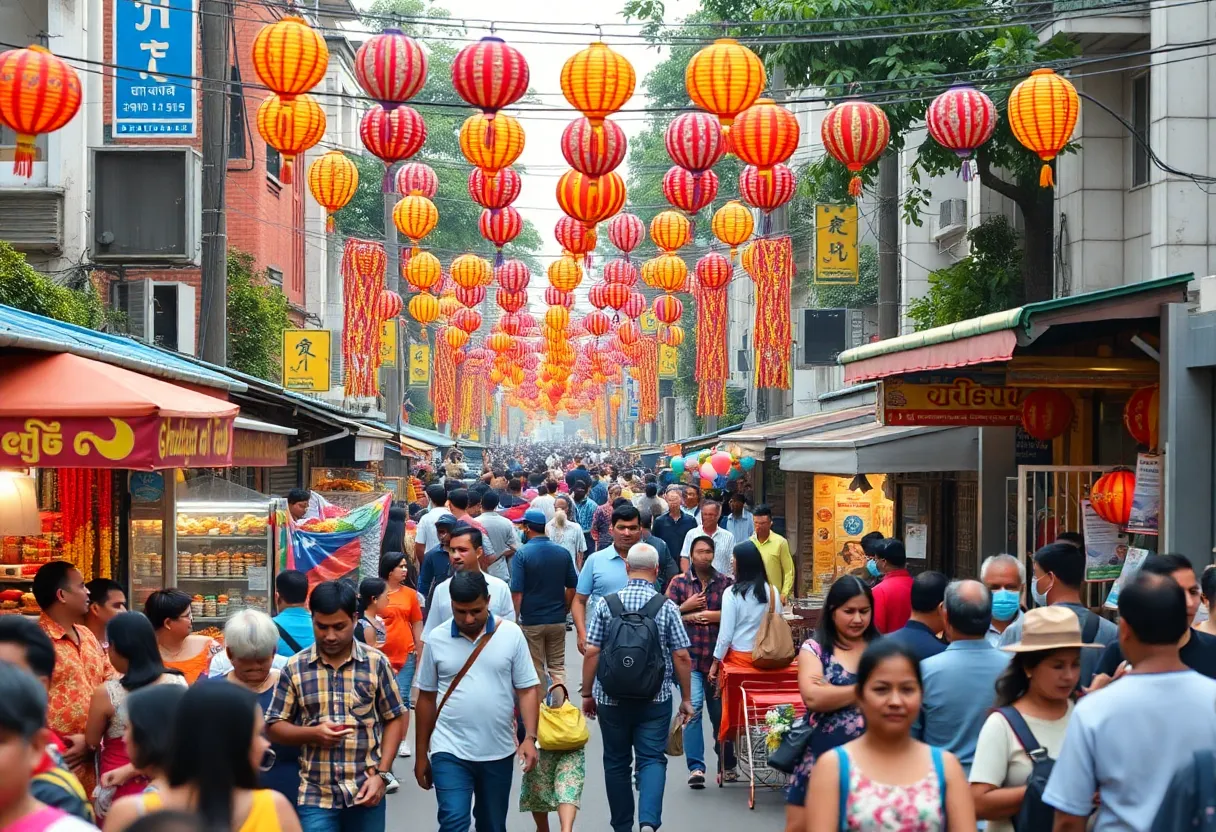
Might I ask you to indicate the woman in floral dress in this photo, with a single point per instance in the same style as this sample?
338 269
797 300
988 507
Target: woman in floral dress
827 679
892 783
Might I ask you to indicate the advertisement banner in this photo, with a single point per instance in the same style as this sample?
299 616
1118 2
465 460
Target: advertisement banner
420 365
1146 498
841 518
1105 546
388 344
945 399
142 443
306 359
648 323
836 244
155 43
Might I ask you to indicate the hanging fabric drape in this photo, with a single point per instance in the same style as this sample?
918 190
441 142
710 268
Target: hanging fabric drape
712 367
363 265
443 390
648 378
773 272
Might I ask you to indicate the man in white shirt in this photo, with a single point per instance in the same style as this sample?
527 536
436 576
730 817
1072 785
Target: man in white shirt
466 726
503 537
544 499
724 541
426 537
466 551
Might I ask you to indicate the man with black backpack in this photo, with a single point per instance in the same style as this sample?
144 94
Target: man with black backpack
636 648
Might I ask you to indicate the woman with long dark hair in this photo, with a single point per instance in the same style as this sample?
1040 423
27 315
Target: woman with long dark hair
136 656
1036 692
219 747
149 742
394 533
401 611
827 679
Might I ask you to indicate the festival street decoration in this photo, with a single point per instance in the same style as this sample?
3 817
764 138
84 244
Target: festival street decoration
1043 111
363 265
290 128
855 133
332 180
725 78
391 68
392 136
961 119
39 93
772 271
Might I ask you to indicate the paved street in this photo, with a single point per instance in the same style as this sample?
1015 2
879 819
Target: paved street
683 809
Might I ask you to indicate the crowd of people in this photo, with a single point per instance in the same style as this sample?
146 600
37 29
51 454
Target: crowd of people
931 703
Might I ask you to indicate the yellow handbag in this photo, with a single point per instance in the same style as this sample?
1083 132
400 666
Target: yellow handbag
562 728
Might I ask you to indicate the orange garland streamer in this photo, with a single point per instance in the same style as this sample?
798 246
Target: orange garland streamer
774 273
363 265
648 378
443 391
711 368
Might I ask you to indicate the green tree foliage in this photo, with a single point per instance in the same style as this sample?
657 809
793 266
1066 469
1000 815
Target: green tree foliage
444 112
257 316
423 414
24 287
986 280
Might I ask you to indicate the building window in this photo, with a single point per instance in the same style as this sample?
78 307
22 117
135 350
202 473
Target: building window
275 275
274 162
236 117
1140 123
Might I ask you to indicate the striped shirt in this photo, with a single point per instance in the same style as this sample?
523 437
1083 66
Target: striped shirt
672 634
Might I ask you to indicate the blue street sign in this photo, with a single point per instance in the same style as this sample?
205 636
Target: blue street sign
155 43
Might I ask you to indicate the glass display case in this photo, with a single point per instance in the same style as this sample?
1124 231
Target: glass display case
224 551
151 506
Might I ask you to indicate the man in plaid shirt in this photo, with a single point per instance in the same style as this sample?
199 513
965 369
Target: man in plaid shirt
630 727
339 700
698 594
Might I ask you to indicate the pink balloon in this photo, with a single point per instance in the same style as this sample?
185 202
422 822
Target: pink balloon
708 472
720 462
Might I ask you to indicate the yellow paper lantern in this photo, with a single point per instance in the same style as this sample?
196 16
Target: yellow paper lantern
448 306
670 272
290 57
415 216
332 179
422 271
725 78
557 318
669 230
1043 111
733 225
597 82
290 128
469 270
456 337
424 308
491 145
565 273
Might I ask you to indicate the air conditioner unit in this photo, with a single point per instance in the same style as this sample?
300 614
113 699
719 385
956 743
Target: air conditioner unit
159 313
146 205
31 219
824 335
951 217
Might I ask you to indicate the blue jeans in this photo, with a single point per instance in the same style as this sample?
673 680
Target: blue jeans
694 735
634 729
405 678
348 819
477 790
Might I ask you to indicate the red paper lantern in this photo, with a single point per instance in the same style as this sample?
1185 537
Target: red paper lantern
513 276
500 227
628 333
668 309
635 305
1046 413
392 135
597 323
621 271
574 237
511 324
490 75
617 295
511 302
39 93
1111 496
496 191
695 141
855 133
766 190
466 319
388 305
765 134
626 231
1141 416
559 297
596 297
593 151
688 191
714 271
961 119
390 67
417 179
672 336
471 296
500 342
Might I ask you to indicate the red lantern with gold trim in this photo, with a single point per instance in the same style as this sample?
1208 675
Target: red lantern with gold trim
574 237
855 133
769 190
617 295
593 151
39 93
392 135
1046 413
634 306
513 276
1111 496
500 227
628 333
625 231
467 319
695 141
497 191
388 305
417 178
511 302
714 271
597 323
1141 416
559 297
595 296
471 296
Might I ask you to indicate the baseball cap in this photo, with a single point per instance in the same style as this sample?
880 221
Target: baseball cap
533 517
447 520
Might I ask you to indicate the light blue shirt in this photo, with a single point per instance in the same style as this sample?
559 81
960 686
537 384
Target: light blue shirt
1126 740
604 572
1108 634
960 687
994 635
297 621
741 527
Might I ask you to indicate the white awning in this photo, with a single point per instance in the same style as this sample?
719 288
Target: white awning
882 449
245 423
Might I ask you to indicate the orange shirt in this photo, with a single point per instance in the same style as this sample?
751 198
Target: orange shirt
196 665
79 668
402 612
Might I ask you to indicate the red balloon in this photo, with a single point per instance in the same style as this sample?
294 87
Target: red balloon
593 150
626 231
621 271
695 141
766 190
513 276
688 191
497 192
558 297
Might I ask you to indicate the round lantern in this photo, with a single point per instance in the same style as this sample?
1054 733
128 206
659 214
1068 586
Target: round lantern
769 190
628 333
574 237
590 200
647 270
491 150
1141 416
1046 413
961 119
690 192
670 230
471 270
490 75
559 297
733 225
670 272
634 306
471 296
511 324
424 308
596 296
725 78
388 305
695 142
332 179
625 232
39 93
499 341
1111 496
668 309
511 302
557 317
415 217
597 82
422 270
855 133
497 191
616 295
513 276
417 178
714 271
455 337
597 323
290 129
392 135
467 319
765 134
748 259
448 306
591 149
289 57
672 336
390 67
500 227
1043 111
565 273
621 271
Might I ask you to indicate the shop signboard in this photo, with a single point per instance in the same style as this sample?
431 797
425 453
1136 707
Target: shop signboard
648 323
306 359
388 344
669 361
420 365
836 244
140 443
154 52
258 449
950 399
840 518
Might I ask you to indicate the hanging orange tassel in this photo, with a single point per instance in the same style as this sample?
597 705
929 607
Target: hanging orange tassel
855 186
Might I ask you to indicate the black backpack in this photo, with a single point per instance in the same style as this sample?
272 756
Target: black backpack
632 664
1034 814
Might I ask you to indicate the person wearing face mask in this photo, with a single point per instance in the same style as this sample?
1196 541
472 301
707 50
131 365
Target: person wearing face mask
1004 575
1059 574
893 594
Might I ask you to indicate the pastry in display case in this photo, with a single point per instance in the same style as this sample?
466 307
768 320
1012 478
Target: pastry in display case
223 556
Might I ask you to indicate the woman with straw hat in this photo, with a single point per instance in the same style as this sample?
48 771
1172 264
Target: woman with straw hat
1034 696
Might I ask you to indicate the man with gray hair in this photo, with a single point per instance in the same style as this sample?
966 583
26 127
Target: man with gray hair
959 682
1004 575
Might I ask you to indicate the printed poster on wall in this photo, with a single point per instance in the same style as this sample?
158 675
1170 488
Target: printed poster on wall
1105 546
841 518
1146 498
155 44
1131 565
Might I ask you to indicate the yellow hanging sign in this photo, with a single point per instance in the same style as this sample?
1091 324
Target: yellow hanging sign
305 359
420 365
388 343
836 244
648 322
669 361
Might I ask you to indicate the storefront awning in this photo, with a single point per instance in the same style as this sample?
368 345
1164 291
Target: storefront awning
872 448
993 338
259 444
61 410
753 441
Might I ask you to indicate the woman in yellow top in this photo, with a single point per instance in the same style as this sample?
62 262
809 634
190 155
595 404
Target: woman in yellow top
219 745
181 649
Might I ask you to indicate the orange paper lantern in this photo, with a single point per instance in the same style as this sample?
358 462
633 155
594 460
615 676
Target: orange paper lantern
1111 496
855 133
765 134
1142 414
725 78
332 179
557 318
424 308
670 272
455 337
470 270
1046 413
590 200
670 230
1043 111
289 57
422 271
733 225
491 148
565 273
597 82
290 128
672 336
415 216
39 93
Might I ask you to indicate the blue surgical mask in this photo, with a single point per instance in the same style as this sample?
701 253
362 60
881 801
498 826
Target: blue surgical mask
872 568
1040 598
1005 604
